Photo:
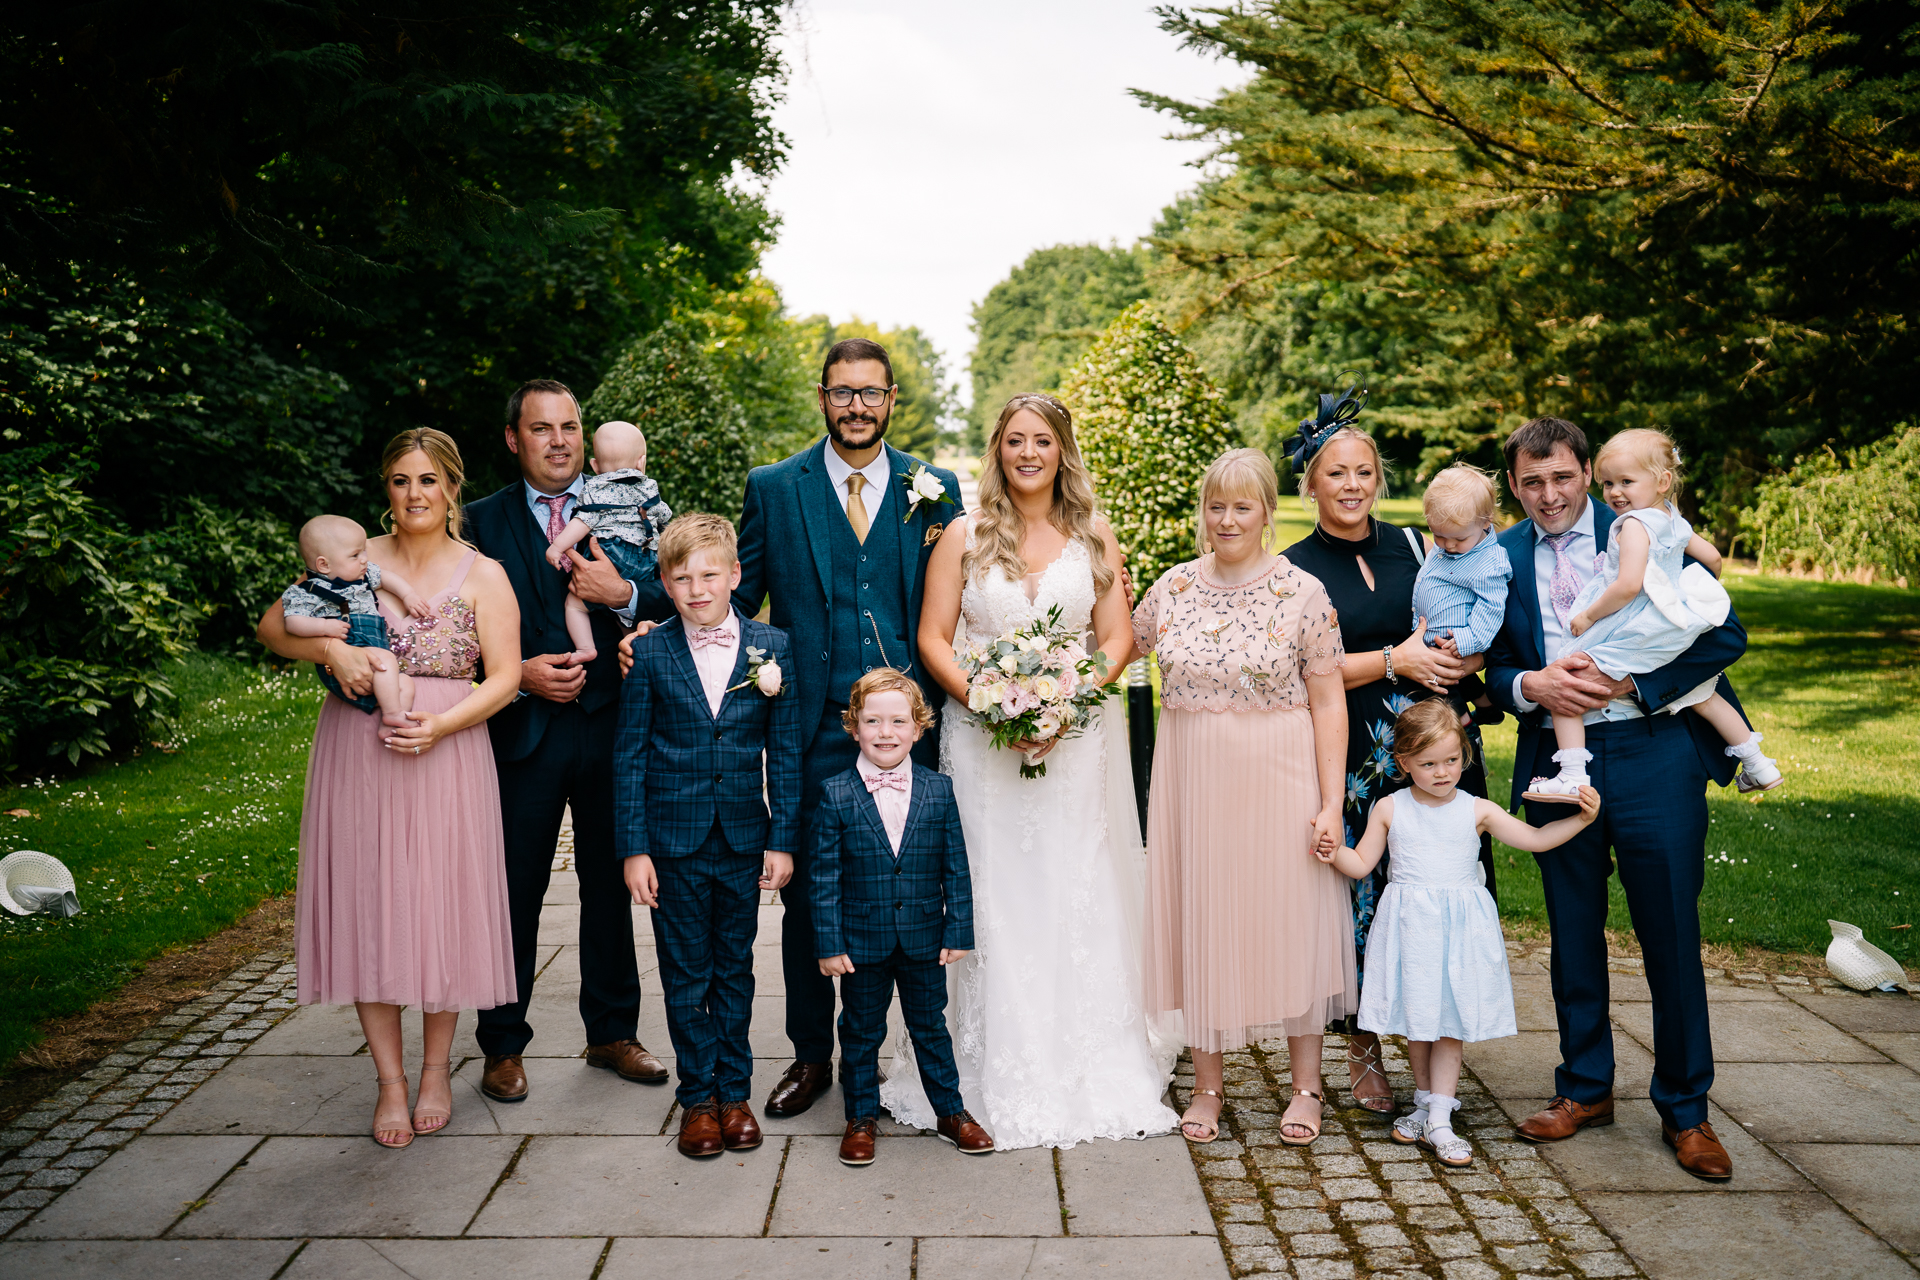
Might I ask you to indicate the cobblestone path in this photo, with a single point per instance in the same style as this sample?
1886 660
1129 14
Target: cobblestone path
1357 1203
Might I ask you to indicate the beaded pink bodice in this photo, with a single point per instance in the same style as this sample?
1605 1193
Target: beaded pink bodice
443 644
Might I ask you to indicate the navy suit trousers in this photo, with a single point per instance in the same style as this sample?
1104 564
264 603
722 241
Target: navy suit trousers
572 765
865 996
704 928
1653 815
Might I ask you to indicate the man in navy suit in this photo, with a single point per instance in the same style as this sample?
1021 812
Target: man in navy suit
1651 767
841 541
553 746
705 704
892 903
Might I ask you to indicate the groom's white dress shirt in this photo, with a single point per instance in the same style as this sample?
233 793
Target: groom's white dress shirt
838 469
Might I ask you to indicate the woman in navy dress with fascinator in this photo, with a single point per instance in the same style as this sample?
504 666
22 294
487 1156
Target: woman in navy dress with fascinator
1368 567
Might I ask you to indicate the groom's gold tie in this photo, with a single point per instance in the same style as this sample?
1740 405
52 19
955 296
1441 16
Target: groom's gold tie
857 509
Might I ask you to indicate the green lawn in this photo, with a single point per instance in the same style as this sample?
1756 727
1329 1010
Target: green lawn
167 847
1830 679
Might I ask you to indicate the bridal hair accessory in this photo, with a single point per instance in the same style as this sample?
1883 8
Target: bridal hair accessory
1336 411
1858 963
32 881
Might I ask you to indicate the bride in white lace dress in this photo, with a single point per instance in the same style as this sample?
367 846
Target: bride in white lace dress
1048 1024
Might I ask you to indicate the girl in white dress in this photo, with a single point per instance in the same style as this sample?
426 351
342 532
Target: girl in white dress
1436 960
1048 1026
1646 606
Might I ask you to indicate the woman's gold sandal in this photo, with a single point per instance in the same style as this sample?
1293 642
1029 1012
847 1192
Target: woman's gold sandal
1369 1064
1211 1126
434 1120
402 1126
1313 1124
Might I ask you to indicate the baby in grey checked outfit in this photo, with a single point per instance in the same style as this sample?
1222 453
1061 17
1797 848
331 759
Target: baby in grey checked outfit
336 601
621 506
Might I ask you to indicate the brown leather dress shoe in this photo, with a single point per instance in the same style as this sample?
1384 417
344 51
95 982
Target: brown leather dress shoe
964 1132
856 1147
700 1133
1563 1118
738 1125
504 1079
800 1088
1698 1151
629 1060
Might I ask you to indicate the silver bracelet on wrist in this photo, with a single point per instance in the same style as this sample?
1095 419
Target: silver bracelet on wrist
1386 651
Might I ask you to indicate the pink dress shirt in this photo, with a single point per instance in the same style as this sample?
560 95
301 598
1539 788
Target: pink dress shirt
891 802
715 662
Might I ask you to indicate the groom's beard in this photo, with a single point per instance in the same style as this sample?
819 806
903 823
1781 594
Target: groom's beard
859 430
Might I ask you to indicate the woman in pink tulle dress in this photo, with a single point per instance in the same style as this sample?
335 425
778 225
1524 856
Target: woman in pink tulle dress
402 896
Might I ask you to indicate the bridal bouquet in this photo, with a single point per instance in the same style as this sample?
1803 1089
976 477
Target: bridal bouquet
1035 683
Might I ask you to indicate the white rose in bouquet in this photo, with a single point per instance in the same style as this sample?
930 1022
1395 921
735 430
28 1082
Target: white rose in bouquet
1046 688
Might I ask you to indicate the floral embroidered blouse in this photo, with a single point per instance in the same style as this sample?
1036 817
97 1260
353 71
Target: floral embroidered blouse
1240 648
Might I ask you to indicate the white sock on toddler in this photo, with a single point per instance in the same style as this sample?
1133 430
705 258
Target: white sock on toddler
1573 765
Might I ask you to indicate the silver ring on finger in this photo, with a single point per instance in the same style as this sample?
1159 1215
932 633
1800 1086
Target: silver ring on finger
416 751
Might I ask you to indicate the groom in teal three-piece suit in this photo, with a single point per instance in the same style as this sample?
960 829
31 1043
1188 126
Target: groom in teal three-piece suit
834 535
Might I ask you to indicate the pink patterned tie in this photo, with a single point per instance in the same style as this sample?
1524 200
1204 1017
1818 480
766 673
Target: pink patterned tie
556 511
704 636
1563 586
894 778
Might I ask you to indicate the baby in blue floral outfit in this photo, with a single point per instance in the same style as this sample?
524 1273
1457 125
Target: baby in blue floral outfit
336 602
1461 590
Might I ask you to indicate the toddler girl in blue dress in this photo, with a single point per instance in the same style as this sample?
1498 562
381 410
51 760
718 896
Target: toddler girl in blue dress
1646 606
1436 960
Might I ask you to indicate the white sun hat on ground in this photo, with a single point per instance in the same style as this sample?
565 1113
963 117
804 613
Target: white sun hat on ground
32 881
1857 962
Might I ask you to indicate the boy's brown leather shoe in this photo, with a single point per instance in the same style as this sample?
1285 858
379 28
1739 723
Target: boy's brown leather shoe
1699 1151
856 1148
1563 1118
741 1129
629 1060
700 1133
964 1132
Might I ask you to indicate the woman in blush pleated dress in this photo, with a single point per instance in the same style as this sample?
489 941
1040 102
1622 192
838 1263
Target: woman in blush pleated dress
1248 934
402 896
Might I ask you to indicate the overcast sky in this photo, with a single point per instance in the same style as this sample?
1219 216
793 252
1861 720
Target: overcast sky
935 143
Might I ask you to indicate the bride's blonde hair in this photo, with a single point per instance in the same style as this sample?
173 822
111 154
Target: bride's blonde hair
1000 528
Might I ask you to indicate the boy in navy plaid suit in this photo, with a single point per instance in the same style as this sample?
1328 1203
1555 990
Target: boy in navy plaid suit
698 712
892 903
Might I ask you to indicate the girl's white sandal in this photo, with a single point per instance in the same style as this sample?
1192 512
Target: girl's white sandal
1410 1128
1448 1147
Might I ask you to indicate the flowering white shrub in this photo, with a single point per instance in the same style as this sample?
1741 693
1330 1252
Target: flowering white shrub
1149 421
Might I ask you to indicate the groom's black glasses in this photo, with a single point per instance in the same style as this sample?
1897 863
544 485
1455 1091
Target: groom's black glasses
872 397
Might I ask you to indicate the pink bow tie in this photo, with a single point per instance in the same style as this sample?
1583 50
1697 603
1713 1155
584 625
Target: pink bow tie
895 778
704 636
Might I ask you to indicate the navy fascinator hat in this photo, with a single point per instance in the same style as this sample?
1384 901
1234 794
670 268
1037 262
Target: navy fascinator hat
1336 411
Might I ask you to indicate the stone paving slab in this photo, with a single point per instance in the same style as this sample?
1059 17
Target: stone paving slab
919 1186
349 1186
121 1259
1511 1065
1072 1259
1880 1185
604 1186
446 1260
821 1258
1122 1189
564 1095
1804 1235
141 1190
1775 1030
1822 1101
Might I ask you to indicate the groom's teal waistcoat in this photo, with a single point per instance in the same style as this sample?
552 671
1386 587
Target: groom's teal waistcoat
869 608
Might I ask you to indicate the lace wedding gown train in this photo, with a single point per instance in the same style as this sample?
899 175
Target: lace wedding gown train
1049 1032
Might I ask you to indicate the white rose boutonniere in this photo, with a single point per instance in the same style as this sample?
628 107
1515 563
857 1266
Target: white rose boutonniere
763 673
922 486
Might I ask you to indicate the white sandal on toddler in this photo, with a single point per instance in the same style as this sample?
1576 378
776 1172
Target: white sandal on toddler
1564 786
1757 772
1411 1127
1448 1147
